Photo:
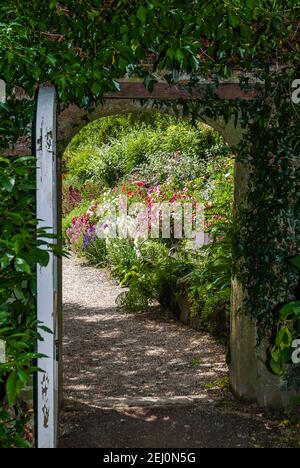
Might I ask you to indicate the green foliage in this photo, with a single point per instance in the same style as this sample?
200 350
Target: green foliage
106 150
288 330
42 42
96 252
103 131
20 251
222 383
148 142
210 282
121 255
268 223
150 276
12 425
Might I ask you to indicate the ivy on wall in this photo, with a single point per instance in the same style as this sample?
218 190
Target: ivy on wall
82 47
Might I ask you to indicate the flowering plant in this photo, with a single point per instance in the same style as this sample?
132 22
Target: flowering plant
83 230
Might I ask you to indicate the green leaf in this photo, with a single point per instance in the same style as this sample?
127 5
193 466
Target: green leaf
5 260
141 14
22 376
276 367
4 160
245 31
251 4
116 85
40 256
51 59
11 388
52 4
22 266
284 338
149 82
291 308
96 87
93 14
275 354
19 294
8 182
234 20
179 55
20 442
295 261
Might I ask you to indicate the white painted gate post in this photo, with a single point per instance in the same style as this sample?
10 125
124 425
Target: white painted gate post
47 277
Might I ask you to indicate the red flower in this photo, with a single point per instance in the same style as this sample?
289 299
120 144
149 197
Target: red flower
141 183
130 193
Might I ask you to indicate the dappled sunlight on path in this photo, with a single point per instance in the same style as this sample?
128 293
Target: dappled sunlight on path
111 355
144 381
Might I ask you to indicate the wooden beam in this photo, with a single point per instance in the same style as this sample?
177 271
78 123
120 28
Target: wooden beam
164 91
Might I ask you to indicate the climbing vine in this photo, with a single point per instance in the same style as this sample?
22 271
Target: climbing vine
83 47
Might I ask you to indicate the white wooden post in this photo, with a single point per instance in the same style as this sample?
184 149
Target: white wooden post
47 381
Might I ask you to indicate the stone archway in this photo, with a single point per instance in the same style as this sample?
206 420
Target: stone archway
249 377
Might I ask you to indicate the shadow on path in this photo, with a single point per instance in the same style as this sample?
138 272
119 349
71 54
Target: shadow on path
141 381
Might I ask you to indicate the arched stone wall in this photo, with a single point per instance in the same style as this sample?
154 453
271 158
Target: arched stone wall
73 118
249 377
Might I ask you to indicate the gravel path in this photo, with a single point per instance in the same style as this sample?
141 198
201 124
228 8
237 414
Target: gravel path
123 372
112 355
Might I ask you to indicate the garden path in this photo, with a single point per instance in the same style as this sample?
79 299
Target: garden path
145 380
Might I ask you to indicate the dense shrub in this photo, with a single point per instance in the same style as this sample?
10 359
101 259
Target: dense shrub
150 140
147 269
